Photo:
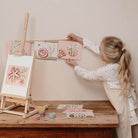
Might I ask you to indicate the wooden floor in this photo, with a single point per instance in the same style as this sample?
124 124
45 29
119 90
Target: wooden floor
100 126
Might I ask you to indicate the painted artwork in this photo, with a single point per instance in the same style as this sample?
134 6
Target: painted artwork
12 45
69 50
17 75
46 50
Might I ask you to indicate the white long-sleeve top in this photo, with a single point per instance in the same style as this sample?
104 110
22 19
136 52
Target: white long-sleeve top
107 73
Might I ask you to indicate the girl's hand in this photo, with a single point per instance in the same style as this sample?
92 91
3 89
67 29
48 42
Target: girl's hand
74 37
71 62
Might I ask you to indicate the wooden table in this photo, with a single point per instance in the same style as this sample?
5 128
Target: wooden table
100 126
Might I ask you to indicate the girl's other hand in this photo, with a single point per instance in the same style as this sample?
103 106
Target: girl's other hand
76 38
71 62
72 36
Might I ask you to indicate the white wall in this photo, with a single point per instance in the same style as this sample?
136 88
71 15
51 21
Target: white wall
54 19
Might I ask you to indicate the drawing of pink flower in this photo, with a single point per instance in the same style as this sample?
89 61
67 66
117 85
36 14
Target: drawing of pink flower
14 74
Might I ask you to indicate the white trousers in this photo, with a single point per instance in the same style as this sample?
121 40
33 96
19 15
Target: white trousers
120 103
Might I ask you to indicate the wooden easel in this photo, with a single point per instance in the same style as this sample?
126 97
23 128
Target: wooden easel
16 101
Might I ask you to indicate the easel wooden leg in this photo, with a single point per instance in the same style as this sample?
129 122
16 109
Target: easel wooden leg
2 102
11 106
30 113
26 106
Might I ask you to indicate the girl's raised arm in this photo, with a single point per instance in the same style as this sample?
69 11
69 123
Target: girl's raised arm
93 47
85 42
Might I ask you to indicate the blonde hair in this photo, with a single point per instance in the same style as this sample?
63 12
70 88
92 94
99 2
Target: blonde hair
115 51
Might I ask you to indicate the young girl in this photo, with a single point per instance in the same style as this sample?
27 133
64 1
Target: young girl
115 76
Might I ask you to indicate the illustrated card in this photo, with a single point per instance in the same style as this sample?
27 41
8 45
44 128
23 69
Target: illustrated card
12 45
69 50
46 50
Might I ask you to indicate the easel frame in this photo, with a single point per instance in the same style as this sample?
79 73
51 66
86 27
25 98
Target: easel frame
15 99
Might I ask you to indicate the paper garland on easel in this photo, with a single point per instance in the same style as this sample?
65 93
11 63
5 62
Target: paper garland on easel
50 50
